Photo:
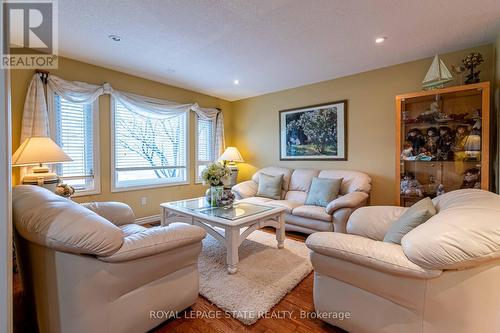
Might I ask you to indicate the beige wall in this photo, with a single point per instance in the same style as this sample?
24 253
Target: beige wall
371 119
79 71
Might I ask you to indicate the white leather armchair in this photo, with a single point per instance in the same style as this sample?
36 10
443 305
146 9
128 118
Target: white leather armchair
89 268
442 278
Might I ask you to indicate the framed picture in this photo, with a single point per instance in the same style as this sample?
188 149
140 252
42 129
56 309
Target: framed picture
317 132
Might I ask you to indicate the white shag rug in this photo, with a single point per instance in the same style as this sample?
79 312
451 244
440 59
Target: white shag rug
265 274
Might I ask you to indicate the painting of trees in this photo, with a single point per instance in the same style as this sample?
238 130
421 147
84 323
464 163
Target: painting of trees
313 131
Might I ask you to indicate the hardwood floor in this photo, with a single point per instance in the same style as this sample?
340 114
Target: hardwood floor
298 301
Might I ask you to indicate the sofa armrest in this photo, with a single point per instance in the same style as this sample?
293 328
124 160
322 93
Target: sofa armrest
117 213
245 189
373 221
384 257
156 240
349 200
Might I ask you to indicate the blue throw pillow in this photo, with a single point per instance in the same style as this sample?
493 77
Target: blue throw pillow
409 220
269 186
323 190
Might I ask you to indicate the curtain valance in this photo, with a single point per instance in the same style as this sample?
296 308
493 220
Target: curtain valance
35 116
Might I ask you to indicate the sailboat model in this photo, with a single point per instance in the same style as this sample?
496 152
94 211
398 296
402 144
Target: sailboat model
437 75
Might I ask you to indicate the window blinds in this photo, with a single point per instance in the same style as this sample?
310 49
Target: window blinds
148 151
205 145
74 134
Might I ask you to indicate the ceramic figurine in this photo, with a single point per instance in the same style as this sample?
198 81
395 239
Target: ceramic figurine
65 190
410 186
444 144
472 178
461 135
440 190
431 140
407 153
416 139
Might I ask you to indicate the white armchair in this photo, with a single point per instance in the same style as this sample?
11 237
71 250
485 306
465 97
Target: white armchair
89 268
442 278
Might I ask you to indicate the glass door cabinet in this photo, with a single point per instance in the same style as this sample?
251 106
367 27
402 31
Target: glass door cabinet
442 141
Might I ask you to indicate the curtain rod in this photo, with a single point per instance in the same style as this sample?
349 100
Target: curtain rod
43 74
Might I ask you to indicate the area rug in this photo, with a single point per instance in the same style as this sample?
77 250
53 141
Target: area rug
265 274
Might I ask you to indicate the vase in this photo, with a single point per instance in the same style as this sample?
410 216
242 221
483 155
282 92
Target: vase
216 193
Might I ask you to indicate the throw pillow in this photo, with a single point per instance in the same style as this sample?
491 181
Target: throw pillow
409 220
323 190
269 186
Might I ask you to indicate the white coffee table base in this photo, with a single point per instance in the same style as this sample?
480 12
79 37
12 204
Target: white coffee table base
232 236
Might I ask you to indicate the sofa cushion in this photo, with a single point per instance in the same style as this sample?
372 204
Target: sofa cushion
353 181
311 224
275 171
287 204
301 179
256 200
465 233
297 196
409 220
323 191
312 212
49 220
373 221
269 186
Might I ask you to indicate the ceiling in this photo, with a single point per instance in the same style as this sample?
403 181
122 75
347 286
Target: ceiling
268 45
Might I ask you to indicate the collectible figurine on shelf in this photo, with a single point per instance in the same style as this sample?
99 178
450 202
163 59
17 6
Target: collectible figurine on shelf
472 145
410 186
407 153
472 178
444 144
461 135
424 155
431 140
429 189
440 190
416 139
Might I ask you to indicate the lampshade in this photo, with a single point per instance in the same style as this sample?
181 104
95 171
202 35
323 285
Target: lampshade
37 150
231 154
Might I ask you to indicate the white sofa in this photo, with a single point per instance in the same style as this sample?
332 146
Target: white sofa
442 278
85 272
354 193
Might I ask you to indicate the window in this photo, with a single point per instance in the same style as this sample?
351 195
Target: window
73 128
148 152
205 145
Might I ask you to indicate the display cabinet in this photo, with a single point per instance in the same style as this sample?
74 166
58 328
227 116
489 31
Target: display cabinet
442 140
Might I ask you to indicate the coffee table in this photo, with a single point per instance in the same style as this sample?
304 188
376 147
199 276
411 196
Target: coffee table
230 226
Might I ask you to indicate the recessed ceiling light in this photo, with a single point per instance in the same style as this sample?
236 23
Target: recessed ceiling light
236 82
379 40
115 38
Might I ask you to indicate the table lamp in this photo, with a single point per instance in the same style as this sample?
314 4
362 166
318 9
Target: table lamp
230 157
37 150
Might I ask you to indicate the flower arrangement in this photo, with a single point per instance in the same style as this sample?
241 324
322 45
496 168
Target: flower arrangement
216 174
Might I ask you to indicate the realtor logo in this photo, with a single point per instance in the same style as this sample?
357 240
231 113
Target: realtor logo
30 34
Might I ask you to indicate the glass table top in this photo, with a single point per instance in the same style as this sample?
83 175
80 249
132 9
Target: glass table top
237 211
